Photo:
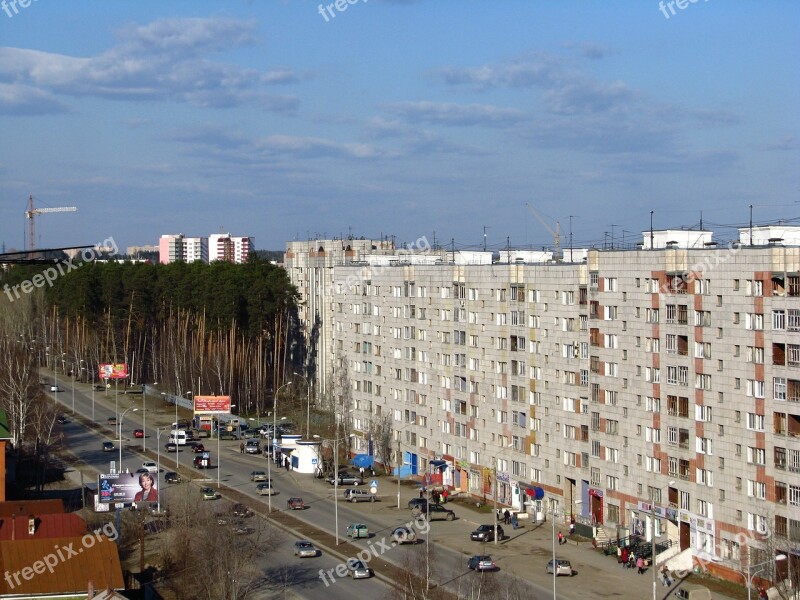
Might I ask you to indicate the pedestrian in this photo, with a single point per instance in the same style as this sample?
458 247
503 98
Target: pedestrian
444 497
665 576
421 493
572 527
286 463
361 473
624 554
506 517
514 522
762 594
560 538
640 565
632 560
435 496
241 447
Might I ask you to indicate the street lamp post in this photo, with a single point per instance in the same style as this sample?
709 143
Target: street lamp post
73 390
308 405
131 409
158 465
275 415
554 509
749 577
653 538
92 395
219 455
336 483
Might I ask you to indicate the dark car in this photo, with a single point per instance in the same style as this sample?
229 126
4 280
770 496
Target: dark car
481 563
417 503
99 387
241 511
108 447
435 511
485 533
198 447
202 462
345 478
62 420
172 477
138 433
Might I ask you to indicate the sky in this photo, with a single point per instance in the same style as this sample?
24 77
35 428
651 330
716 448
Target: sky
462 121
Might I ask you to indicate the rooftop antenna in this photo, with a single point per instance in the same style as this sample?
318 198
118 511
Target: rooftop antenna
751 224
612 235
701 220
570 237
651 230
484 237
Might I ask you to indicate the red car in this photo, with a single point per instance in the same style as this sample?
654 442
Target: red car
138 433
295 504
198 448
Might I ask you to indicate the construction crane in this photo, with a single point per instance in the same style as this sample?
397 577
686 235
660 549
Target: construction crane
555 233
32 212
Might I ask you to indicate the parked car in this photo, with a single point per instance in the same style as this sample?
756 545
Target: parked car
111 421
138 433
564 567
108 447
208 493
258 476
345 478
357 569
295 503
62 420
485 533
241 511
265 489
354 495
435 511
357 530
481 563
242 529
99 387
305 549
252 446
404 535
150 466
172 477
416 503
171 447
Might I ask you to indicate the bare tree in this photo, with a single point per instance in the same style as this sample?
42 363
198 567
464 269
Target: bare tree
381 432
43 416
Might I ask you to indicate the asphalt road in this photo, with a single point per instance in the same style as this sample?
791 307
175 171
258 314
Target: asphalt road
449 541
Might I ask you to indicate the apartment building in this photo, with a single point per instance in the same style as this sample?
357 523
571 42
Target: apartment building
310 266
224 246
180 248
663 379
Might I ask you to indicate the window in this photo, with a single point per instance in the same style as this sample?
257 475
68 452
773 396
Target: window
756 456
756 489
702 413
755 422
755 388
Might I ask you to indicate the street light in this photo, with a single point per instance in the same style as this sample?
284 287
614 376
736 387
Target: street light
219 456
158 465
653 538
553 509
308 405
131 409
750 576
336 482
275 416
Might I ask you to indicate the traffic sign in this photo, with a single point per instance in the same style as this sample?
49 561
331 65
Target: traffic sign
373 484
373 489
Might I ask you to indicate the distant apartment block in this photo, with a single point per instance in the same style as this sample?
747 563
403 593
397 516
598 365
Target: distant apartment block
223 246
179 248
664 378
137 250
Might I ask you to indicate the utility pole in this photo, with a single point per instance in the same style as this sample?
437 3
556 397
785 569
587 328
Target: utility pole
751 224
651 230
570 238
484 237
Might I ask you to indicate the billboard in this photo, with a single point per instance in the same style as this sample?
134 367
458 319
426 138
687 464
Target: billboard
114 371
127 488
207 405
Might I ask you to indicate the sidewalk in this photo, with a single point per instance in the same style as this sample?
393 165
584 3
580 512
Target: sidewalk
526 551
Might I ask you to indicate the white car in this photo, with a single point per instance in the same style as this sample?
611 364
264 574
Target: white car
55 388
150 466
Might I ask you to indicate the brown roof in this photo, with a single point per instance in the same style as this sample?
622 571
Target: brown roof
47 526
26 507
75 560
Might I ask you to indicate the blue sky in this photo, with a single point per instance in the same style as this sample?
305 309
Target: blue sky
404 118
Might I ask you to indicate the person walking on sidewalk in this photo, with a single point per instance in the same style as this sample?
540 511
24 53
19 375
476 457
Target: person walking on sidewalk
640 565
560 538
665 576
631 560
506 517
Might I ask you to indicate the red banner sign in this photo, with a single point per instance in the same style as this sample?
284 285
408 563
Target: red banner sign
205 405
114 371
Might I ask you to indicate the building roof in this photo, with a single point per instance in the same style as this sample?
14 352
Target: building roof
50 506
5 434
15 527
76 561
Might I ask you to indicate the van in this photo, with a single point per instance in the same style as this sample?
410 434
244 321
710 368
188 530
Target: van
179 437
353 495
690 591
252 446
